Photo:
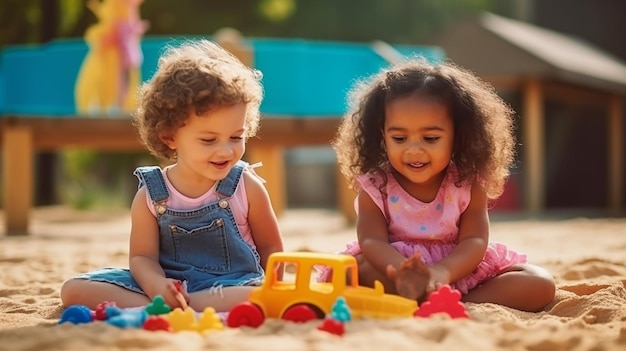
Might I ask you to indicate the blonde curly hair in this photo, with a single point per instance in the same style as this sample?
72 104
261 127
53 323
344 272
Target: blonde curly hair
195 77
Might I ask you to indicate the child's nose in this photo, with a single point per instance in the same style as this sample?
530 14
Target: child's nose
415 148
225 149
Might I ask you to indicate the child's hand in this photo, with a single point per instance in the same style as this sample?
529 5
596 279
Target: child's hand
411 278
171 290
439 275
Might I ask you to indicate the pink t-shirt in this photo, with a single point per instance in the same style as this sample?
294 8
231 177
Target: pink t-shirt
411 219
238 203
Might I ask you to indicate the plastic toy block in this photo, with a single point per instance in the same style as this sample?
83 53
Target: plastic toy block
157 322
100 312
76 314
341 311
158 306
443 300
127 318
209 321
183 320
332 326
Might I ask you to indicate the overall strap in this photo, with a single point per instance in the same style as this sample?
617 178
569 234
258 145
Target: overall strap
228 185
152 178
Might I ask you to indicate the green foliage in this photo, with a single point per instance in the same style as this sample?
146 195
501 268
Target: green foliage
71 11
277 10
91 179
398 21
19 21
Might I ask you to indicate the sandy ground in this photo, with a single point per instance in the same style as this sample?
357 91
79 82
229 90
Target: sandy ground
587 257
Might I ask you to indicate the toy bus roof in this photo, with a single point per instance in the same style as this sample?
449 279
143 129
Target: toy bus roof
315 257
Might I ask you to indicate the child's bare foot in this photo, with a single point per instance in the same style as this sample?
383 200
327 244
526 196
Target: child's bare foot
411 277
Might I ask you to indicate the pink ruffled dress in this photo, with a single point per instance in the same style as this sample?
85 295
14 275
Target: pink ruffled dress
432 228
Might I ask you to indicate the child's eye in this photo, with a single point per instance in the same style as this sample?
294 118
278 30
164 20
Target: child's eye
236 138
208 141
431 139
398 139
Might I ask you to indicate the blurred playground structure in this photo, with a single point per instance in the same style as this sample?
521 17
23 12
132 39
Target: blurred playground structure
305 88
569 98
110 72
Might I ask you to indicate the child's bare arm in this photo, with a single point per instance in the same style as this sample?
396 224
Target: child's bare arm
262 219
373 236
144 252
472 241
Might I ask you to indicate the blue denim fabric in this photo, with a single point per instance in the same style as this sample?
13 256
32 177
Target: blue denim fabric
202 246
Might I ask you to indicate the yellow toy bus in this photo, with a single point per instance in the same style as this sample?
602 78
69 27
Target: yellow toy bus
297 296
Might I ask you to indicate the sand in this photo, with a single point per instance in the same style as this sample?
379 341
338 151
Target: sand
587 257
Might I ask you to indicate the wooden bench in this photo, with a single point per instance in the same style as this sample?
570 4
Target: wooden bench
22 137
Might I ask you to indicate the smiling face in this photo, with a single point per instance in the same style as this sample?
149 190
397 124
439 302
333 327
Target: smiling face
207 147
419 137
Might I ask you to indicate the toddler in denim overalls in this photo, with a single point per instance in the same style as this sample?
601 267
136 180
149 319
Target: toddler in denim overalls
205 220
202 247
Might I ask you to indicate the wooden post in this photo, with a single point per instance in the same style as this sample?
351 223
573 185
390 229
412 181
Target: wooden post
17 175
533 136
345 198
616 155
232 40
273 171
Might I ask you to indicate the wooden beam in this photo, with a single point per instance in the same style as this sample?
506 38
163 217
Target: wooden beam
17 178
574 95
22 136
296 131
107 134
346 198
534 146
616 155
272 171
505 82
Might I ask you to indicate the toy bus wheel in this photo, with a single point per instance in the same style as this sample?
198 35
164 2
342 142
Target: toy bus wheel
299 313
245 314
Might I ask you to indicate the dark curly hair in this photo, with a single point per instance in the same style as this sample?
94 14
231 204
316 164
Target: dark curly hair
483 125
194 77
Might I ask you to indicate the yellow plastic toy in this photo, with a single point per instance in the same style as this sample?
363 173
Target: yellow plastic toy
183 320
301 298
188 320
209 321
109 77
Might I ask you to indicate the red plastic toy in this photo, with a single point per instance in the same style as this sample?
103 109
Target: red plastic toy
332 326
154 323
100 313
444 300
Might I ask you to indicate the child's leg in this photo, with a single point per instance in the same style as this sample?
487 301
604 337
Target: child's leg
91 293
523 287
223 300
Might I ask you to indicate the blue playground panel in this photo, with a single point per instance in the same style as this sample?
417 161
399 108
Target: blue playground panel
301 78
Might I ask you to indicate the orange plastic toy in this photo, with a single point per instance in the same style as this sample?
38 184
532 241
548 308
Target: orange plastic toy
300 297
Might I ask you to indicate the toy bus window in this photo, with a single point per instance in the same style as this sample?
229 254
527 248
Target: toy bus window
284 275
320 279
352 276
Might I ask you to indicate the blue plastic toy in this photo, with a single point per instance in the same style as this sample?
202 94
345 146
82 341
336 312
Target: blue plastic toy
76 314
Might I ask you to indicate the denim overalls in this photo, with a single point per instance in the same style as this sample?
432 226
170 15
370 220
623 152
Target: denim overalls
202 246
